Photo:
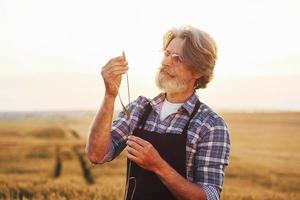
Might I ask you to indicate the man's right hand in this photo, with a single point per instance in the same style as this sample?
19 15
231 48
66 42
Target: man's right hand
112 74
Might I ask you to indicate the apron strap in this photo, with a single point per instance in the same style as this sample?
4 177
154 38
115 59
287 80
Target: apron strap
142 121
196 108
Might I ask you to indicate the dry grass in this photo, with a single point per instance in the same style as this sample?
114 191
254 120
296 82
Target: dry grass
264 163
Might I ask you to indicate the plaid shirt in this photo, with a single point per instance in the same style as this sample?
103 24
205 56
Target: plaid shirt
207 146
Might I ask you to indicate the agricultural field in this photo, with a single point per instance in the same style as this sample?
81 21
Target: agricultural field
42 157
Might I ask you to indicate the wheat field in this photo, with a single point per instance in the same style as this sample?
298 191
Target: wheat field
42 157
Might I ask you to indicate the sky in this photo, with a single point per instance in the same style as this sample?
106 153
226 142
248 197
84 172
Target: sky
51 52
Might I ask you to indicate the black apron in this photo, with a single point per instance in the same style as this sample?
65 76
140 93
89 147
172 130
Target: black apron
146 185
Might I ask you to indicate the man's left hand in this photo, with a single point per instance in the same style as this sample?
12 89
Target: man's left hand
143 153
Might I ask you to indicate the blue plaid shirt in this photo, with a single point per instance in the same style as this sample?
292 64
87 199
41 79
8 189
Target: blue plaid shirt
208 142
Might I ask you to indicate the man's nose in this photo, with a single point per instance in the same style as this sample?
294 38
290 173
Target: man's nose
166 61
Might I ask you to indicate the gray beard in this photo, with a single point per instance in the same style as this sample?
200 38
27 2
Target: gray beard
169 86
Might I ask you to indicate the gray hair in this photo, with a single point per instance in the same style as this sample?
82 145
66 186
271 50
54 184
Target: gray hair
199 51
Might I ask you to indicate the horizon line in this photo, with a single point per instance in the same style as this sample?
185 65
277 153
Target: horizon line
222 110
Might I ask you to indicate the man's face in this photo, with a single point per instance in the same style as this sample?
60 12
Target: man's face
174 76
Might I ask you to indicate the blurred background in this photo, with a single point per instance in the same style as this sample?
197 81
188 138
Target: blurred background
51 54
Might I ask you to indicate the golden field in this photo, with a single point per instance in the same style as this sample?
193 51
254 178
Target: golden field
42 157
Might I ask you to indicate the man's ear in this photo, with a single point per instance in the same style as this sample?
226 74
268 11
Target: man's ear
197 75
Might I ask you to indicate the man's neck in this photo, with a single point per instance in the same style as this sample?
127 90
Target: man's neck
180 97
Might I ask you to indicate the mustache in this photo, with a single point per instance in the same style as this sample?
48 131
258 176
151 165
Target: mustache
164 69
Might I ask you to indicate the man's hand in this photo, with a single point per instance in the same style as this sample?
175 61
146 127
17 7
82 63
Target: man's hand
112 73
143 153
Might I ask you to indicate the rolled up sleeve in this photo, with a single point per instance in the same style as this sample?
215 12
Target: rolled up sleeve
212 156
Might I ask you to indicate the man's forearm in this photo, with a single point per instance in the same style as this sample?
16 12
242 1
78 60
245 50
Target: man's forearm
180 187
99 134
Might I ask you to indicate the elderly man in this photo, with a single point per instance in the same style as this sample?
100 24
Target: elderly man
179 147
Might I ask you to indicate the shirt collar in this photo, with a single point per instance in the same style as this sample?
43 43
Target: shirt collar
157 101
188 106
190 103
